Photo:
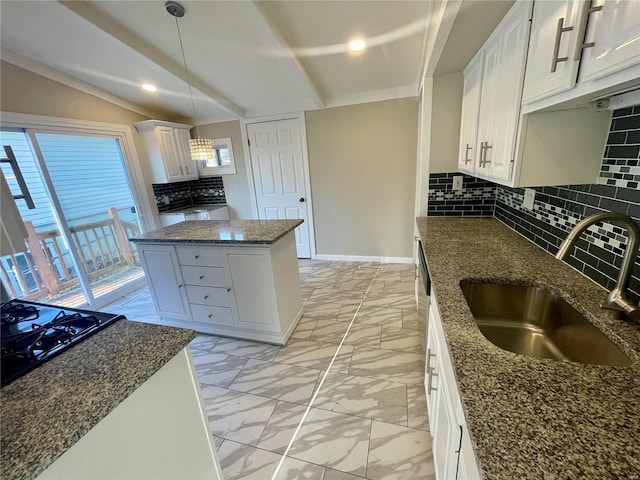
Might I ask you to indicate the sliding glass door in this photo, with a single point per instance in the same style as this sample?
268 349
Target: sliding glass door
85 212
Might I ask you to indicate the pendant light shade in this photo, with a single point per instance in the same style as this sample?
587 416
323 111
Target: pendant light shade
201 148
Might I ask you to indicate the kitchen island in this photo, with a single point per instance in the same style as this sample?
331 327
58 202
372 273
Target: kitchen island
235 278
532 418
122 404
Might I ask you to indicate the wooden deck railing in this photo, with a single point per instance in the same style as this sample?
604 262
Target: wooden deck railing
46 269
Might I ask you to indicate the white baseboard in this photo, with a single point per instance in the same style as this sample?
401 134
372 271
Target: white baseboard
358 258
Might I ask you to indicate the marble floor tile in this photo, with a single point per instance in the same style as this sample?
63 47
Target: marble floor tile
281 427
399 453
364 335
391 300
390 317
328 331
242 462
204 342
364 397
304 328
352 284
401 339
218 441
334 440
279 381
319 310
311 354
329 295
417 407
330 474
216 368
236 416
387 365
410 319
244 348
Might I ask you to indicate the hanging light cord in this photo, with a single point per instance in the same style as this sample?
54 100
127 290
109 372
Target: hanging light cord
186 71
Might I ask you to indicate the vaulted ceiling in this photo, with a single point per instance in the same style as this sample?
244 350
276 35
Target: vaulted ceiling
245 59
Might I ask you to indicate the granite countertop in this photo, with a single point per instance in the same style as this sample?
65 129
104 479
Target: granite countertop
50 408
192 209
533 418
232 232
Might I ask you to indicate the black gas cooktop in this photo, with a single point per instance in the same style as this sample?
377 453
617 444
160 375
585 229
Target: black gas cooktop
32 333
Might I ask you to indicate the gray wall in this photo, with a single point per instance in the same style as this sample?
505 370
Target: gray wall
236 186
362 163
446 110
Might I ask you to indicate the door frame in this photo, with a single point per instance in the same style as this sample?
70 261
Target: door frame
299 116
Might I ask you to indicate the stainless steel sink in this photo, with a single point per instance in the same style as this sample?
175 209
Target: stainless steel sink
535 322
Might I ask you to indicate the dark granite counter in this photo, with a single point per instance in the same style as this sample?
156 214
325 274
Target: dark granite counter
50 408
227 232
533 418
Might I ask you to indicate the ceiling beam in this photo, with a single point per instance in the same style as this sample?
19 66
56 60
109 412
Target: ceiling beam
288 59
128 38
60 77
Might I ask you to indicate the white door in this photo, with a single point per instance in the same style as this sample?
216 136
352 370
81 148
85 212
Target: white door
278 175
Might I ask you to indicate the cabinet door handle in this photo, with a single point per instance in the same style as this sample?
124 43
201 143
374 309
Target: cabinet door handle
556 46
429 355
484 160
210 315
197 257
582 31
201 277
466 154
206 296
228 289
430 388
482 145
180 285
181 172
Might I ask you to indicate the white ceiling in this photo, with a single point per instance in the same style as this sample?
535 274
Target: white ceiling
245 59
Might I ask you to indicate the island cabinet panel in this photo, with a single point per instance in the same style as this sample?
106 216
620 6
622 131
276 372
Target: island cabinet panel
247 291
160 432
165 281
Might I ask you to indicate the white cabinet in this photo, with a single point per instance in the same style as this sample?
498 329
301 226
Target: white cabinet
159 432
453 454
165 281
500 143
600 39
167 147
250 292
493 85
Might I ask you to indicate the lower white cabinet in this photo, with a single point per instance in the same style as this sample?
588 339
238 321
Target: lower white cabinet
159 432
250 292
453 454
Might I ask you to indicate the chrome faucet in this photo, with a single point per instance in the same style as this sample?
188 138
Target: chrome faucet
617 299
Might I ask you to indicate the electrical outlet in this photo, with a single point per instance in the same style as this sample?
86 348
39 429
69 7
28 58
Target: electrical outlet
457 183
529 197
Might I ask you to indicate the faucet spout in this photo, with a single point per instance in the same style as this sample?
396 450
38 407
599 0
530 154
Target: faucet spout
616 299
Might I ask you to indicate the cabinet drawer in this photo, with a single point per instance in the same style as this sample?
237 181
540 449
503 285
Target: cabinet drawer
199 256
203 276
210 314
218 297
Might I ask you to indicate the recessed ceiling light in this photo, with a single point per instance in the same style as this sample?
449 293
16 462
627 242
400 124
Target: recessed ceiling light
149 87
357 45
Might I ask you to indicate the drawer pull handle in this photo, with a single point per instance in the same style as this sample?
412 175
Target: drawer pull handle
201 277
210 315
432 373
206 296
197 256
228 289
180 285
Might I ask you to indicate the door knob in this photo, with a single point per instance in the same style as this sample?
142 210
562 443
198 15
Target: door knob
301 199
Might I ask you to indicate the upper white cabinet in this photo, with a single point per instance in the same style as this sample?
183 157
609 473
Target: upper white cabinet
491 102
502 143
581 48
167 146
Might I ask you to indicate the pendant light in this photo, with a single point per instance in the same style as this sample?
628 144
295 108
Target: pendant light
201 148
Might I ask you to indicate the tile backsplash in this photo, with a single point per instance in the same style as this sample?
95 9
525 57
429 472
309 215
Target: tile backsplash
209 190
557 209
476 199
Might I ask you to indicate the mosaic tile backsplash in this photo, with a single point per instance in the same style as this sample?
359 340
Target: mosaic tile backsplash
209 190
598 253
